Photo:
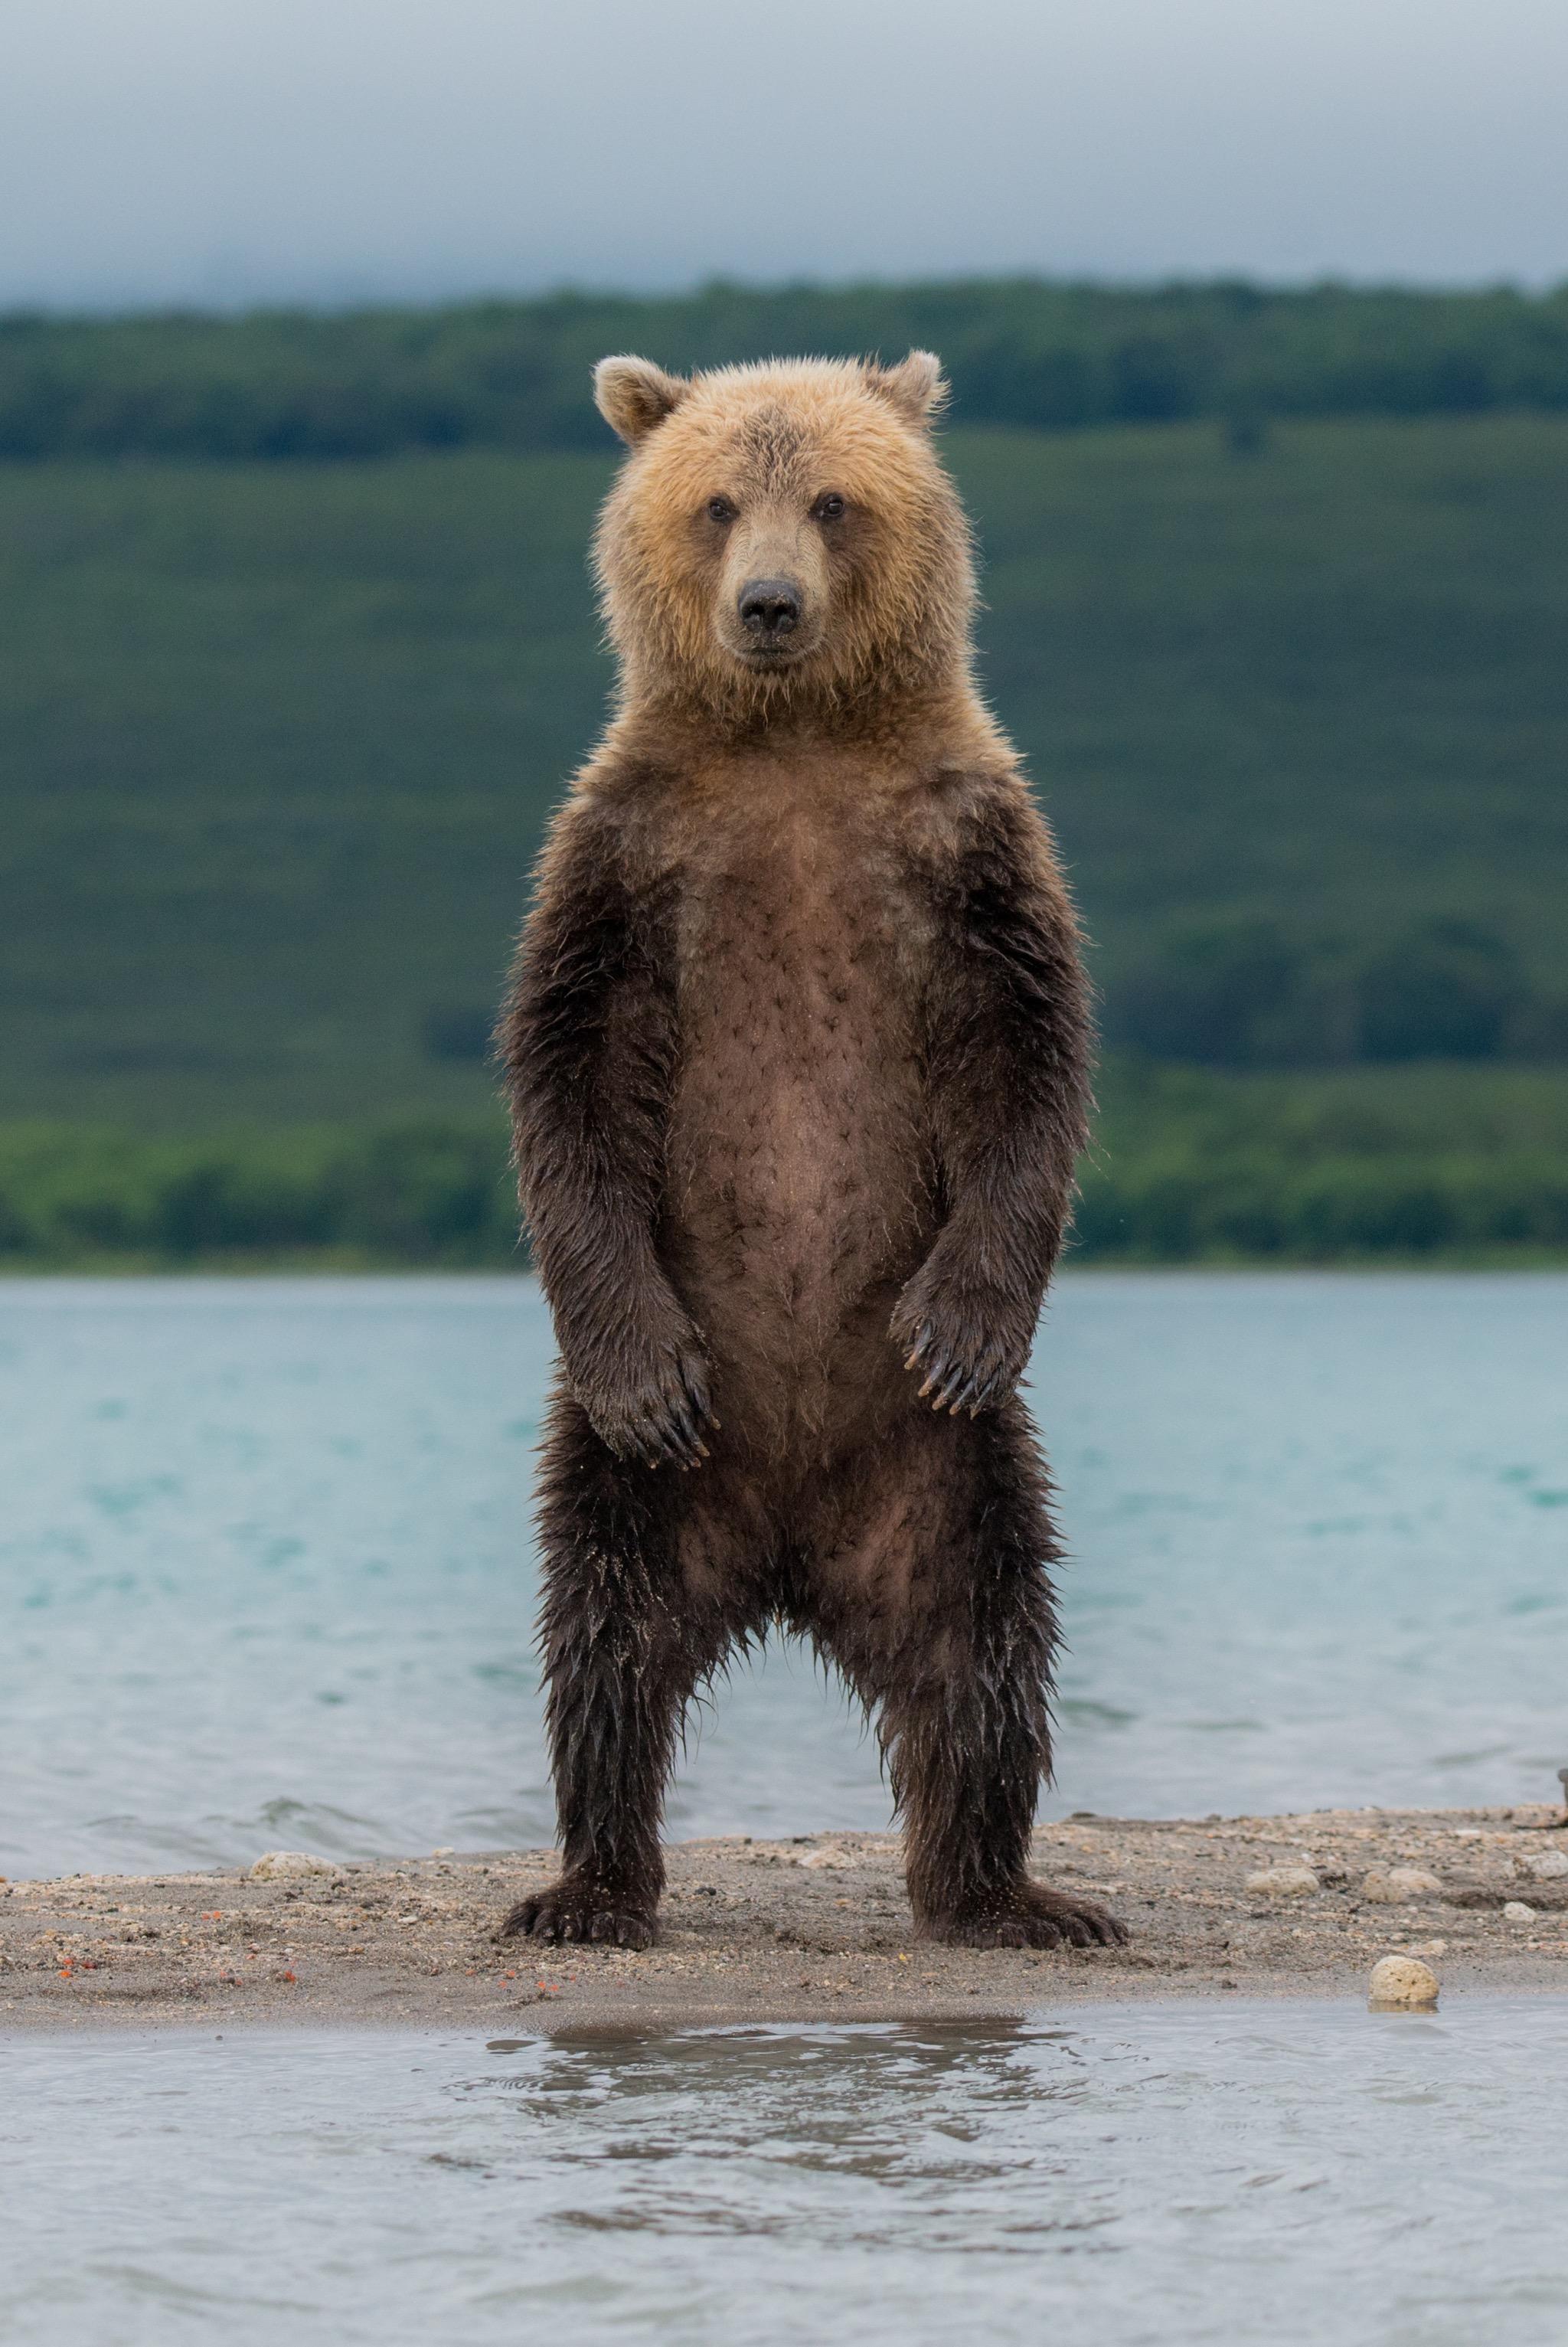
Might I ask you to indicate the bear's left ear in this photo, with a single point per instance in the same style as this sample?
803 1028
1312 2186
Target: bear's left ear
633 395
915 387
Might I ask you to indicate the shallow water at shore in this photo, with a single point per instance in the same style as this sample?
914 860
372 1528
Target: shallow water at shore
266 1576
1305 2173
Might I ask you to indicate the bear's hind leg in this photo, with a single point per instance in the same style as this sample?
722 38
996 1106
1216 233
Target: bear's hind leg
626 1644
941 1612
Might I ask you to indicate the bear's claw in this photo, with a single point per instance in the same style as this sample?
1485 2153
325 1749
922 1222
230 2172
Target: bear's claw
660 1420
962 1370
1031 1916
573 1909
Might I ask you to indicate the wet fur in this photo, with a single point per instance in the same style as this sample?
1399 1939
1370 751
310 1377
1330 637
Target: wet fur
797 1050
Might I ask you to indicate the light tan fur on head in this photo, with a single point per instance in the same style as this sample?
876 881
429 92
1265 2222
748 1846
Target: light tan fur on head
817 472
633 395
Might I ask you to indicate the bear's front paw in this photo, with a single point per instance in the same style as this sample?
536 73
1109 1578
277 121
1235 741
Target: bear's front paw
655 1407
1027 1915
968 1348
578 1908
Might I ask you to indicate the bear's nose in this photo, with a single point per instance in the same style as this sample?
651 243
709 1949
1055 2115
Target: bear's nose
770 608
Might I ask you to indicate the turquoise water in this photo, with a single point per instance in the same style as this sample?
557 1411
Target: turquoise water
1307 2173
265 1574
265 1578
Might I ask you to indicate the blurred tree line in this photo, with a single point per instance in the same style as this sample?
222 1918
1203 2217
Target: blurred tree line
1241 992
433 1191
513 374
1188 1165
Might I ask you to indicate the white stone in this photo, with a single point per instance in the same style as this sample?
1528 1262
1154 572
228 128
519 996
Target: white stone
1516 1911
1284 1882
837 1859
1402 1981
1398 1885
1545 1865
276 1862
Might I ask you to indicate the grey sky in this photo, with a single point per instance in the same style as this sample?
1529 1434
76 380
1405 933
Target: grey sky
155 150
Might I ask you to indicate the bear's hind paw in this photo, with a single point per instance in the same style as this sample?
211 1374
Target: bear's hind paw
1031 1916
579 1910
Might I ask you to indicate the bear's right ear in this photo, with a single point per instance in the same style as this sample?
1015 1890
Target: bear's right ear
633 395
916 386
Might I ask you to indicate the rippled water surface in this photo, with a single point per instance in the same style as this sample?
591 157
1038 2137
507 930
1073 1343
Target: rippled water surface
265 1574
1300 2173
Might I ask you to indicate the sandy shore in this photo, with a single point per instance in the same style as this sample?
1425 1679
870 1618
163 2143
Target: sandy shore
811 1928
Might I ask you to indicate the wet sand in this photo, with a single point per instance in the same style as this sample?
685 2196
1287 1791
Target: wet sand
809 1930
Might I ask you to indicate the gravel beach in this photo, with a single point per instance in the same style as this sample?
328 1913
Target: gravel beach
812 1928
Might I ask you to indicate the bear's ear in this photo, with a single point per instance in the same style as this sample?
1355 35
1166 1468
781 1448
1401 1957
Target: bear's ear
915 387
633 395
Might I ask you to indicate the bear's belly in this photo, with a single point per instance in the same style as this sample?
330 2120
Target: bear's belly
800 1181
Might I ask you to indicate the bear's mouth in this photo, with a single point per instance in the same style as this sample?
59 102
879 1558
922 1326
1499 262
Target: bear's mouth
771 654
766 659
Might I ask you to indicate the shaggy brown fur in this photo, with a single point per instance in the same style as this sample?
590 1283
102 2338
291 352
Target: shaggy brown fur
797 1051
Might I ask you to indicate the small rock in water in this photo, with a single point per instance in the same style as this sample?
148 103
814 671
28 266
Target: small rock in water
1397 1884
1546 1865
1516 1911
274 1863
1284 1882
1402 1983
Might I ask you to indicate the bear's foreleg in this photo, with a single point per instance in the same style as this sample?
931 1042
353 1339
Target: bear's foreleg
1007 1068
625 1646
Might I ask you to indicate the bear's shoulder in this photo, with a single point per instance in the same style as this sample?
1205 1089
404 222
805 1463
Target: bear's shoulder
616 804
980 808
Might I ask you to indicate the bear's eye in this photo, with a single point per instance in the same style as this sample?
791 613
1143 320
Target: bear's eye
830 507
721 509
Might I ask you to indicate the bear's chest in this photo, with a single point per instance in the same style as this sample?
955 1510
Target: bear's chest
799 959
798 1133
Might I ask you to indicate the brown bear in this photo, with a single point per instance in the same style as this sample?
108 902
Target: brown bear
797 1049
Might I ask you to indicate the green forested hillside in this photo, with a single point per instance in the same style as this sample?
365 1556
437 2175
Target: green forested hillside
1188 1165
1040 355
277 741
277 748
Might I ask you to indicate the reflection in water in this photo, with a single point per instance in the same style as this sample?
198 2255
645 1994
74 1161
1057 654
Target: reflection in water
1306 2173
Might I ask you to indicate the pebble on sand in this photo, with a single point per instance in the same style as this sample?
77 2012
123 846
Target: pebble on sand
274 1863
1516 1911
1546 1865
1402 1983
1284 1882
1396 1885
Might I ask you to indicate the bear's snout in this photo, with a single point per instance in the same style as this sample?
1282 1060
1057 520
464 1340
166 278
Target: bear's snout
770 611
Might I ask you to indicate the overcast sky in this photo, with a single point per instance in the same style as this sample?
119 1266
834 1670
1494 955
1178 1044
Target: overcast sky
234 151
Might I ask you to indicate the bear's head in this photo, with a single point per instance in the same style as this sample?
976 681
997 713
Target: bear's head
782 533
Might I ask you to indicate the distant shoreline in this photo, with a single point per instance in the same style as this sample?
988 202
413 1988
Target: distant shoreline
109 1269
812 1929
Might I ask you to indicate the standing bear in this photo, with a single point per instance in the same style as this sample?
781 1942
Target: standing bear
798 1048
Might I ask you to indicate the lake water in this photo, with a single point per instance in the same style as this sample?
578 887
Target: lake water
1304 2174
266 1578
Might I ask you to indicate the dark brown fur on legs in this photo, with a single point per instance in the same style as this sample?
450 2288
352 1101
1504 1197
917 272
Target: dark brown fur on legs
627 1640
935 1599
